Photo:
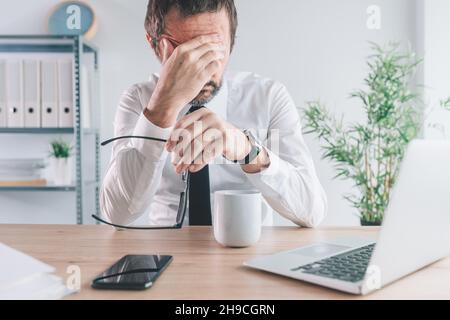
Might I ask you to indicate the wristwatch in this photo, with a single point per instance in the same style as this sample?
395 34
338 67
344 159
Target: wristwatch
255 150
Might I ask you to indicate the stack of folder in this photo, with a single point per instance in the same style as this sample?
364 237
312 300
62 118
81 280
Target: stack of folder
22 172
23 277
36 93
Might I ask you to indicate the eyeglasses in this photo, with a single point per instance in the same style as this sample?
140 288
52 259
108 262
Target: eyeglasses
175 43
182 206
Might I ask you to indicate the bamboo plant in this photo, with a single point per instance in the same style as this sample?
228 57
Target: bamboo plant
369 153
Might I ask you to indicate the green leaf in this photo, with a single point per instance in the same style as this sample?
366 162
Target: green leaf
60 149
446 103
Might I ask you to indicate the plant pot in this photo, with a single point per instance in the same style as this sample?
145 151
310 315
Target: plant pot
62 171
365 223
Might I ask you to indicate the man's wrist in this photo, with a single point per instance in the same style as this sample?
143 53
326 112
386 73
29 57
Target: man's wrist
257 158
261 162
162 110
160 118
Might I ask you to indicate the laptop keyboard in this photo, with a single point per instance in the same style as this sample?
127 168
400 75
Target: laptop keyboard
349 266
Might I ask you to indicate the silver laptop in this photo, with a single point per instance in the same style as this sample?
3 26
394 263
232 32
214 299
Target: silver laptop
415 232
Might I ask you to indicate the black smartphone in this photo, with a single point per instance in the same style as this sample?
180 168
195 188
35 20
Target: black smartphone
132 272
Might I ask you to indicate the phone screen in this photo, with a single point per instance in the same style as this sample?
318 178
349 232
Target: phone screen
132 272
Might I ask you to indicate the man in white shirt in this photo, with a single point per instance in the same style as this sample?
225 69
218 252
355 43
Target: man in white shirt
239 130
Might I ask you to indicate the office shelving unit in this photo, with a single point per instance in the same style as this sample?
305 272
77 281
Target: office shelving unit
78 48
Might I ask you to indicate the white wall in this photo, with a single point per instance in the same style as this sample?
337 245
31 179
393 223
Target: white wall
316 47
436 15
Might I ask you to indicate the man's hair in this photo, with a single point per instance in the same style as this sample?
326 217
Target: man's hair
158 9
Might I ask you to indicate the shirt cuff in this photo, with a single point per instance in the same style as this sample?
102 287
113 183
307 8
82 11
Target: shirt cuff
272 169
149 148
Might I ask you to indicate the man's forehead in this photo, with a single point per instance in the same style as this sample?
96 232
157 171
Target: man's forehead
187 28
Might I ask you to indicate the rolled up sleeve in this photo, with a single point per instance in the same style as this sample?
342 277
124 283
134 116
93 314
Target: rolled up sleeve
136 165
290 184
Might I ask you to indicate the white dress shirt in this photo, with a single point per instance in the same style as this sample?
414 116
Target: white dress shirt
141 178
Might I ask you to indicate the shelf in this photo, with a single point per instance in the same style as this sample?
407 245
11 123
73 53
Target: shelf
46 130
56 43
41 48
36 48
39 188
38 130
87 183
36 36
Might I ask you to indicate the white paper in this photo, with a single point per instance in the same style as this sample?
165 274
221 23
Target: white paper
41 286
23 277
16 266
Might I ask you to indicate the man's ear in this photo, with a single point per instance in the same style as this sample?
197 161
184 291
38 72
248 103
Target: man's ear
154 45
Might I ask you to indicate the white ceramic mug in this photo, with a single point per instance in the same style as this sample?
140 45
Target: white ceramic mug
237 217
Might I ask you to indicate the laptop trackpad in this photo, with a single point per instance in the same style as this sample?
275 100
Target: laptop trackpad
319 250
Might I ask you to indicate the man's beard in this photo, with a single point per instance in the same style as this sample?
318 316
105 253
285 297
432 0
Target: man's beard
205 95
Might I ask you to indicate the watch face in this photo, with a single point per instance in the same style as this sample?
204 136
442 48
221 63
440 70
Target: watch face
254 152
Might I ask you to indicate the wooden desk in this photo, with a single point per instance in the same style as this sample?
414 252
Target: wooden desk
202 269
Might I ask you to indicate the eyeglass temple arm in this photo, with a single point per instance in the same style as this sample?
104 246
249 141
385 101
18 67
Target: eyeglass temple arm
183 200
104 143
128 227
